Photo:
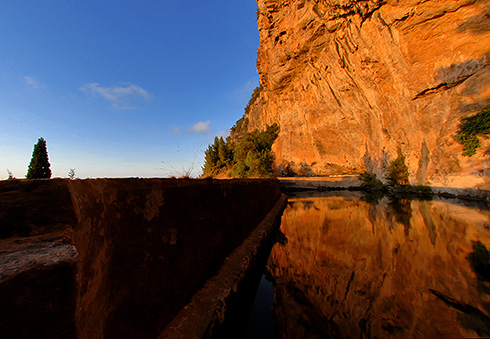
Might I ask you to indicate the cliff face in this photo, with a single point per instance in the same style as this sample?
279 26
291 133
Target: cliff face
351 81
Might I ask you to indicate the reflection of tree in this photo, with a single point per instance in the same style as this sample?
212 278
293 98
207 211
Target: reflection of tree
402 209
479 260
373 197
308 205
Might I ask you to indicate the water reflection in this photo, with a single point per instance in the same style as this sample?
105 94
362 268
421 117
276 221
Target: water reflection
351 268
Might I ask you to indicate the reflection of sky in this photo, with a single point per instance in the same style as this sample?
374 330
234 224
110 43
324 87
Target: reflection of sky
260 323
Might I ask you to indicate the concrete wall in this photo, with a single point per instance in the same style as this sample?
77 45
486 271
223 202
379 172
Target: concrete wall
145 246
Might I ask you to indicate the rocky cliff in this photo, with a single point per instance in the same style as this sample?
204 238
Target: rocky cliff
351 81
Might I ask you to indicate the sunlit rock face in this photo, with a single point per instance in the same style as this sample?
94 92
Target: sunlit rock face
349 269
350 81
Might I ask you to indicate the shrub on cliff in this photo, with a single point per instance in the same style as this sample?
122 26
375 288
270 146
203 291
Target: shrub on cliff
471 129
71 174
253 154
39 167
249 156
254 97
398 171
244 153
10 175
371 182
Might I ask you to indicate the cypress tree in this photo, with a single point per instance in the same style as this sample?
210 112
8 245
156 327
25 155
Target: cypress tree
39 166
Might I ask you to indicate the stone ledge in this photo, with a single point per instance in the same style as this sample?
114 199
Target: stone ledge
206 313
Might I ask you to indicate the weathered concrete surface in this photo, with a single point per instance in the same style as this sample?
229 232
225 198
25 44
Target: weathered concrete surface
205 314
33 208
349 82
143 248
147 245
39 300
37 261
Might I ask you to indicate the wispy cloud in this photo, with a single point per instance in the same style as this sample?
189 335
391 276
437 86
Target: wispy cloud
176 130
33 82
201 126
244 93
225 134
121 96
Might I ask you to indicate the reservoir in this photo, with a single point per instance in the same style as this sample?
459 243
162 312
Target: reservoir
349 266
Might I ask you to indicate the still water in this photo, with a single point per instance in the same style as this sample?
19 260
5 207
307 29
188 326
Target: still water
345 266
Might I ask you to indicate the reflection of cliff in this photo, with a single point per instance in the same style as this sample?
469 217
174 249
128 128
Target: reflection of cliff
350 81
351 269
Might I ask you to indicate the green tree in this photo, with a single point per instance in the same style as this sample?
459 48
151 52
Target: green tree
225 155
398 170
39 168
248 156
211 157
471 129
253 155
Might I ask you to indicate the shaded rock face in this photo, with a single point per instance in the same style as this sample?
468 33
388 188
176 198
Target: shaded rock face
346 268
38 264
116 258
351 81
147 245
34 208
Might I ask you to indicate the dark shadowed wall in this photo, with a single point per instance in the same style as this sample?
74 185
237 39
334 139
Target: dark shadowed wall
146 245
143 248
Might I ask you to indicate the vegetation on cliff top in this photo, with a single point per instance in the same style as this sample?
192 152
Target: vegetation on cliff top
471 129
249 155
243 153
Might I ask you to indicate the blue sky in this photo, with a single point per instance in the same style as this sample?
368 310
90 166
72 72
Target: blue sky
122 88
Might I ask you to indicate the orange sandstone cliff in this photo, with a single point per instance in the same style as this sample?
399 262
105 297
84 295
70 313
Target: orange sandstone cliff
351 81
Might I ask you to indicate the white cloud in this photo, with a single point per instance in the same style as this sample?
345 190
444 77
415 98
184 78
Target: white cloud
201 126
121 97
33 82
